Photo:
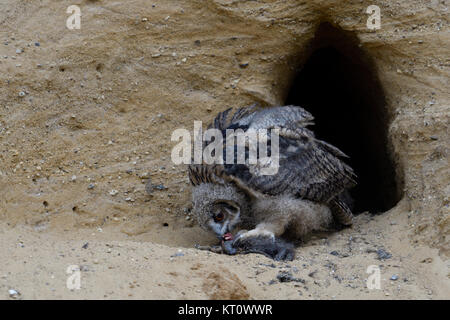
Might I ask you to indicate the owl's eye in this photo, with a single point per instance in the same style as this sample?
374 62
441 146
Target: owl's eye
219 217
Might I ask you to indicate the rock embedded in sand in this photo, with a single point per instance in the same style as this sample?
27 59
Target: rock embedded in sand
286 276
383 254
160 187
14 294
243 65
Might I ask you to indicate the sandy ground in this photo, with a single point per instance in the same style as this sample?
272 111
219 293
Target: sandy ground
86 118
329 266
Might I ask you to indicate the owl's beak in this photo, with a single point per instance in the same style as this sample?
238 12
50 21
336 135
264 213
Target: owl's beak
224 234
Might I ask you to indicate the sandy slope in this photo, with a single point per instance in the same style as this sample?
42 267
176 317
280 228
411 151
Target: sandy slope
328 267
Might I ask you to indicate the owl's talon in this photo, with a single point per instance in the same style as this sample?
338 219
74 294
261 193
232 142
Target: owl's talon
286 253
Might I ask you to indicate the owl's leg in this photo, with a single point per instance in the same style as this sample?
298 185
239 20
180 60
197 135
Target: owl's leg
263 239
259 231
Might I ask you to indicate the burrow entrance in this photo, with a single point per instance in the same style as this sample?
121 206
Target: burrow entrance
338 84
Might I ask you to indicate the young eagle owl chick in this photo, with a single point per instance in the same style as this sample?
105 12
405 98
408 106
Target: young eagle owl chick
305 194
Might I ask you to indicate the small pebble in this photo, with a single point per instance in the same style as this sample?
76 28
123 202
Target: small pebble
149 187
113 192
178 254
382 254
13 293
284 276
144 175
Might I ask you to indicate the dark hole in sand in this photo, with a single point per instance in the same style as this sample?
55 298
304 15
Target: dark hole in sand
338 84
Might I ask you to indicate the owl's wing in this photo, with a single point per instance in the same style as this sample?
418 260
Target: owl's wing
289 117
308 167
223 121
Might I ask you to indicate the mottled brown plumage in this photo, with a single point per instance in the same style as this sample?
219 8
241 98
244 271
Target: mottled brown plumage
310 171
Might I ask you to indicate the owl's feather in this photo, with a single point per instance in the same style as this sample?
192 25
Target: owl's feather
302 196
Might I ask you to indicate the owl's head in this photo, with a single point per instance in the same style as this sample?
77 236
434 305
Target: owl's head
218 207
